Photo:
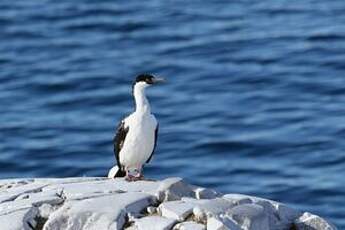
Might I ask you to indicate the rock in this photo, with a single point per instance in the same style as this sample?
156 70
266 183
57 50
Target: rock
161 196
16 191
279 215
189 225
212 207
105 212
204 193
309 221
77 190
151 210
101 203
177 210
286 214
250 217
29 200
238 199
214 223
199 214
175 188
154 223
45 210
19 220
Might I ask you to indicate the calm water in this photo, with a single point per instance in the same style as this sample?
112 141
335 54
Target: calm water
255 102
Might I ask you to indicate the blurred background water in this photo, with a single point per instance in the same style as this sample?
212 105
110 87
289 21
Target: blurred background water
254 104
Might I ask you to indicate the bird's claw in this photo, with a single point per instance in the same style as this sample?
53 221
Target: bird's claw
131 178
134 174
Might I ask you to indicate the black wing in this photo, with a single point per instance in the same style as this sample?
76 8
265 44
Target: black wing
119 139
154 147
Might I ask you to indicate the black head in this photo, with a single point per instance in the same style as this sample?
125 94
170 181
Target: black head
148 79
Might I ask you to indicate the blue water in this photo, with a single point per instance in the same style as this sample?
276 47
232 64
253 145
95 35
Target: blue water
255 100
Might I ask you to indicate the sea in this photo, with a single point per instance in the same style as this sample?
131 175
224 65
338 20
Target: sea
254 101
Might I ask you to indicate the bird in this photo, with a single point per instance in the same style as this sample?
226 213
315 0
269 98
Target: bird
136 135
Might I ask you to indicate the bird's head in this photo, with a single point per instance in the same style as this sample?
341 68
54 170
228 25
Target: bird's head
145 80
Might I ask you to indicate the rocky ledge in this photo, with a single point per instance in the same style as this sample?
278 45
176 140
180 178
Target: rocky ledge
100 204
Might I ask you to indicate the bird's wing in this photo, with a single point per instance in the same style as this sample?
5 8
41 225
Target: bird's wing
154 147
119 139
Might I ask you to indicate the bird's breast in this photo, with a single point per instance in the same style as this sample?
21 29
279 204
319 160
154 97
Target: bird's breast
142 126
139 142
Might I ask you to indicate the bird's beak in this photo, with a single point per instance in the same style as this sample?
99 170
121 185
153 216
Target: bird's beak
157 80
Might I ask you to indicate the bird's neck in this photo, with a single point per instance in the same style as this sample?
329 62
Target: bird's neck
142 105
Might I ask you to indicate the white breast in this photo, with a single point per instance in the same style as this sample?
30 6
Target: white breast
140 139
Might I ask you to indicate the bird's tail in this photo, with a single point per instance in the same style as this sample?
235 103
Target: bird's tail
116 172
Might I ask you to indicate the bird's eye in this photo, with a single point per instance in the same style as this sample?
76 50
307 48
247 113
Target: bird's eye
149 80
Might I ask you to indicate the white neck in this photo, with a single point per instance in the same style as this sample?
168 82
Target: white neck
142 105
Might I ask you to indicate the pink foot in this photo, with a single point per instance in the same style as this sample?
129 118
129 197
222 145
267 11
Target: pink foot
134 178
134 174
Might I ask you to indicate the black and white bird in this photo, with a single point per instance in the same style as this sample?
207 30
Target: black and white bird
136 135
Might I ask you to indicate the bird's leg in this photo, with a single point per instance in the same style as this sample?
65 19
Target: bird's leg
140 175
129 176
133 174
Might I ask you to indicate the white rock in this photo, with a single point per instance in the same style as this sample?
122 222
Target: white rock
45 210
286 214
19 220
214 223
189 225
151 210
269 210
177 210
66 180
250 217
154 223
101 204
30 200
309 221
279 215
16 191
199 214
106 212
160 195
175 188
205 193
212 207
87 189
238 199
6 184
